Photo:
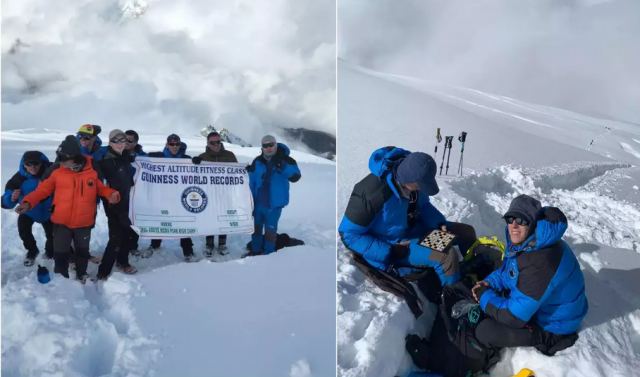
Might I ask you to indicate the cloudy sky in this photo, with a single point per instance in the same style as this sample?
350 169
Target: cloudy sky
169 65
582 55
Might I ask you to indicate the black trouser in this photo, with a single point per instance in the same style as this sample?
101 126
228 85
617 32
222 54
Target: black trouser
25 231
133 239
185 243
222 240
118 246
495 334
62 238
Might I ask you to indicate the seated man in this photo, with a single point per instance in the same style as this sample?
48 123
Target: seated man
389 210
537 297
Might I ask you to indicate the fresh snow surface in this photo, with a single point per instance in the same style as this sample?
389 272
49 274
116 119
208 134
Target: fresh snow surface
512 148
261 316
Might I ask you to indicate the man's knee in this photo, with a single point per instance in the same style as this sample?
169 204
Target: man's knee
487 332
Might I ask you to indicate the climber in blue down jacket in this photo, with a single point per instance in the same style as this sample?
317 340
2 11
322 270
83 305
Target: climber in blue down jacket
537 297
269 177
389 211
32 167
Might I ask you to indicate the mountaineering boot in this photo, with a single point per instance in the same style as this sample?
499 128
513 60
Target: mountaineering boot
30 259
208 251
148 252
222 249
128 269
82 278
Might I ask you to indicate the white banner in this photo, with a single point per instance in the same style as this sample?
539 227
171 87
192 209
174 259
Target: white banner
173 198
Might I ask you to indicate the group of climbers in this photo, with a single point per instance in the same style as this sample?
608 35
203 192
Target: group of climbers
63 196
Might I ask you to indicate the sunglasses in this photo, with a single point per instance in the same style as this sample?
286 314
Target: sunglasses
32 163
173 144
85 137
131 141
118 141
268 145
215 142
517 220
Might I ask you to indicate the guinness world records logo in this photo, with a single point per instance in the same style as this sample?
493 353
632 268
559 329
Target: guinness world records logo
194 199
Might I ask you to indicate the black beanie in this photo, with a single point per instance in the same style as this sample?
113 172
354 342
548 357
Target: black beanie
524 207
70 147
32 156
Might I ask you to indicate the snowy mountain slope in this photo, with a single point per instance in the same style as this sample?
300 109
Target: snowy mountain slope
268 316
512 147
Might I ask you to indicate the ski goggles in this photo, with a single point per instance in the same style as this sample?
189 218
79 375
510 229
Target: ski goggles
33 163
517 220
86 137
218 142
268 145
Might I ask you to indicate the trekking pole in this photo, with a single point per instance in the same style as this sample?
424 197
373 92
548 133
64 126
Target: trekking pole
443 153
438 140
462 138
448 141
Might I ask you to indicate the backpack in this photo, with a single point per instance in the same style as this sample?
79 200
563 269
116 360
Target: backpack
452 348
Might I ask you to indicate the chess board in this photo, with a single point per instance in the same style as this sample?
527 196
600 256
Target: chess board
438 240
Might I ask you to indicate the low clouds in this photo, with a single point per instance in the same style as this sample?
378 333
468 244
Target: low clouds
577 54
169 64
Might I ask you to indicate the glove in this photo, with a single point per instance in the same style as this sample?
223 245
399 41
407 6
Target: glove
196 160
23 208
294 178
399 251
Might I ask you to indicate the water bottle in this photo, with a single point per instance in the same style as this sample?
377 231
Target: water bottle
43 275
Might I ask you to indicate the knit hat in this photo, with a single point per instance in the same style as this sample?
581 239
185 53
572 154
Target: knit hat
89 129
524 207
268 139
70 147
419 168
173 138
31 156
116 134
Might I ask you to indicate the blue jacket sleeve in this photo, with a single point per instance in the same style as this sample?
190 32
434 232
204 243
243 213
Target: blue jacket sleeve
514 311
357 238
430 215
6 200
495 280
292 172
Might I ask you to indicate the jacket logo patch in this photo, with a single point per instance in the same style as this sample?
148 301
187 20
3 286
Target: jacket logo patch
90 182
512 273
